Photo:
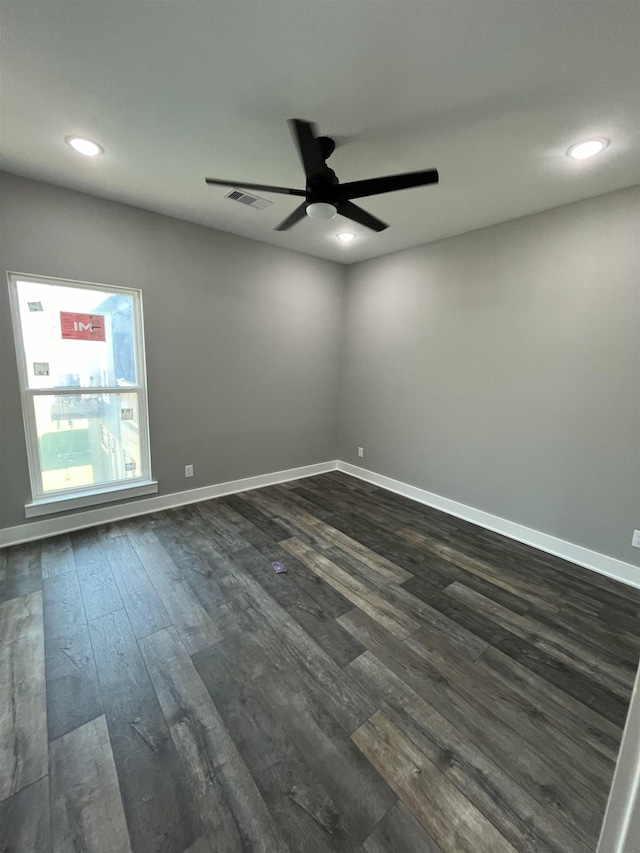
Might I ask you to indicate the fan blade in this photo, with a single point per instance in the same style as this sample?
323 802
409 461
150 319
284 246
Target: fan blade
305 135
296 216
262 187
374 186
357 214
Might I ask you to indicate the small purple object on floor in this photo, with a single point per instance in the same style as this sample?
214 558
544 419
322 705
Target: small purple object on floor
279 568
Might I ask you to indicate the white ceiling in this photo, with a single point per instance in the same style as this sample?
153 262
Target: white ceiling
490 93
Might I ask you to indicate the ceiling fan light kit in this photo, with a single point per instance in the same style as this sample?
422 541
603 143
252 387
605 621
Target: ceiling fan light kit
324 195
321 210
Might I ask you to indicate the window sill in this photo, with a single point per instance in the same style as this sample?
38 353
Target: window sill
63 503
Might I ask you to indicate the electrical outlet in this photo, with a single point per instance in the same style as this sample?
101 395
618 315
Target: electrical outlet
635 541
188 470
361 452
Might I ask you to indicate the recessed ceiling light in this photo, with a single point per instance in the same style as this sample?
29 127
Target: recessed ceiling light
346 236
582 150
84 146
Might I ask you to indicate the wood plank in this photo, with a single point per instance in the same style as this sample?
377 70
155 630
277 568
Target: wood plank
573 718
400 831
566 678
437 572
86 807
144 608
441 574
522 819
160 813
307 817
201 563
24 820
392 512
227 532
201 846
552 787
449 818
229 670
192 622
257 518
342 699
361 795
589 770
304 604
97 584
476 623
389 616
194 527
536 593
575 581
290 502
316 502
595 635
232 516
620 623
467 642
432 520
370 535
380 567
141 527
365 507
599 664
311 818
567 580
202 574
22 567
232 811
73 694
347 481
281 509
419 561
310 589
191 550
23 714
321 790
57 556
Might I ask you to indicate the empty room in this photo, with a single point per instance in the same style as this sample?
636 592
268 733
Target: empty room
319 426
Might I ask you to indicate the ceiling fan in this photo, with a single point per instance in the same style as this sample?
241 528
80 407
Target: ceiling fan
324 195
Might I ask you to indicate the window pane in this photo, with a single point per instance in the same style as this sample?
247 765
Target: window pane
76 337
87 439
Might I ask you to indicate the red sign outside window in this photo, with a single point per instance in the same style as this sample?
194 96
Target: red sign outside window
82 327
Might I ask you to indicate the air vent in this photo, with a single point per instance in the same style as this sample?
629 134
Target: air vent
250 200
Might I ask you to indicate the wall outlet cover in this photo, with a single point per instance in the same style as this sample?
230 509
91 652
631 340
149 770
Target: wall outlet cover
635 541
188 470
360 452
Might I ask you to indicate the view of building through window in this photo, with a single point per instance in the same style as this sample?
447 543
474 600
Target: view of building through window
79 344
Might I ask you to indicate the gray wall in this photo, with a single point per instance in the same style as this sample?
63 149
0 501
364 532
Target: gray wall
501 369
242 338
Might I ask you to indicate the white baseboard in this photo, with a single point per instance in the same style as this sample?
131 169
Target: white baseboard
617 569
106 514
601 563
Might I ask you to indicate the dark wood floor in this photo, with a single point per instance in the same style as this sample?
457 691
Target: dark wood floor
411 684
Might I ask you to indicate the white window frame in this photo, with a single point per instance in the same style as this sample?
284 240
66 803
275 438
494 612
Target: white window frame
44 503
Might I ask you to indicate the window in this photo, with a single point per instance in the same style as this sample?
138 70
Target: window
82 374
